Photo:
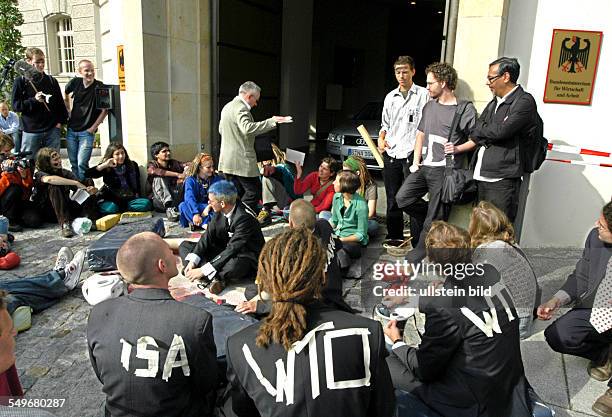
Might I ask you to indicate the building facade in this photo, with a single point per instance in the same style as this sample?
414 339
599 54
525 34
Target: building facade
184 59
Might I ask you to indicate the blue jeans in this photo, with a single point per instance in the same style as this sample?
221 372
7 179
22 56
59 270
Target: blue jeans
79 146
32 142
39 292
17 140
409 405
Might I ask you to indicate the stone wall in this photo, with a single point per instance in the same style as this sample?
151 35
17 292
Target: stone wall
37 31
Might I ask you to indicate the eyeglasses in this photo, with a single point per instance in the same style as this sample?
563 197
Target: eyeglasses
491 79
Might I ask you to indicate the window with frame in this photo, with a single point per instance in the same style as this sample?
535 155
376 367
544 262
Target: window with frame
64 45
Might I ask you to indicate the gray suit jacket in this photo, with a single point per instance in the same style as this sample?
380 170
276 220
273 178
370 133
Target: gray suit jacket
238 131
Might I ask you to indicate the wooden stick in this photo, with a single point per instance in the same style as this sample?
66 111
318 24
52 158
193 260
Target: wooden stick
371 145
36 91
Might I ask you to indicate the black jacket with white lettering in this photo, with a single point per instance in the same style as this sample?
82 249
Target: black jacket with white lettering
153 313
458 370
350 368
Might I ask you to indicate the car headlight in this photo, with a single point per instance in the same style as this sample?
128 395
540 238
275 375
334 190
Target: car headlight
334 138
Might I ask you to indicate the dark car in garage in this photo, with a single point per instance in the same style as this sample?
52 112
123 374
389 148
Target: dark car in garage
344 140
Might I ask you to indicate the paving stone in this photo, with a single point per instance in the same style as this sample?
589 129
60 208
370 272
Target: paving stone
545 371
53 362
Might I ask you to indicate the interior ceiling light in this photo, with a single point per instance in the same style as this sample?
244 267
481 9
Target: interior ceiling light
413 2
439 11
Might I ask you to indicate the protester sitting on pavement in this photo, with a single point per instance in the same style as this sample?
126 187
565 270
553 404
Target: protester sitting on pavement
15 188
231 245
121 176
319 183
35 294
291 270
52 186
466 365
9 124
10 386
302 214
180 374
349 217
8 258
277 186
586 329
195 210
492 237
367 189
165 178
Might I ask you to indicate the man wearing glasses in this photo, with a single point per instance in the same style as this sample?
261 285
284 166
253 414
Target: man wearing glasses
586 329
498 132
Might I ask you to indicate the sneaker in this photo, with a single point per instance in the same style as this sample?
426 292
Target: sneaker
22 318
216 286
64 256
66 230
73 270
172 214
264 218
603 405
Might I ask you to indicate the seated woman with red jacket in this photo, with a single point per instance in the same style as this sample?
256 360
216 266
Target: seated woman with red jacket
16 183
320 183
121 189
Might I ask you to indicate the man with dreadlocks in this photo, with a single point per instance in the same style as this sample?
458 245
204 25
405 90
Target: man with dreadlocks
277 367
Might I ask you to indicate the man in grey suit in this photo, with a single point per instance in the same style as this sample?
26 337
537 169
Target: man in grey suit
154 356
238 130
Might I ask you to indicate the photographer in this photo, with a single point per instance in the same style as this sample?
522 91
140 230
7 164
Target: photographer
52 186
15 188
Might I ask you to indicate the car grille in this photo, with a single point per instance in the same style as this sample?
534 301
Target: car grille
354 140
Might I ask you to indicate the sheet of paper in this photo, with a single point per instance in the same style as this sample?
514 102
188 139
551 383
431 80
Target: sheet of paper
79 196
285 119
295 156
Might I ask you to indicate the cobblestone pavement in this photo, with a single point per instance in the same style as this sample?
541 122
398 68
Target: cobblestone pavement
53 362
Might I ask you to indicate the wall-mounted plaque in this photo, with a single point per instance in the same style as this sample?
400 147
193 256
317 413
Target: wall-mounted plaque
572 66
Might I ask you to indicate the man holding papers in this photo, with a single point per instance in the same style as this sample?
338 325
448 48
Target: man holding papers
237 158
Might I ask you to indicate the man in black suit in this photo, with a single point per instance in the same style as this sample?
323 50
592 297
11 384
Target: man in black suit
498 133
302 214
586 330
230 247
154 356
306 358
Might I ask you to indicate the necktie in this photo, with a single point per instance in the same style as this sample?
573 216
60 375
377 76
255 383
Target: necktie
601 314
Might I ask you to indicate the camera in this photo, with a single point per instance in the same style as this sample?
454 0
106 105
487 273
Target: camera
19 161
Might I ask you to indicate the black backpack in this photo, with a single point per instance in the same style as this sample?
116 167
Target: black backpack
532 145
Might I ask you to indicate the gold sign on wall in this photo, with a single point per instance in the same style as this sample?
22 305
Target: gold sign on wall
572 66
121 67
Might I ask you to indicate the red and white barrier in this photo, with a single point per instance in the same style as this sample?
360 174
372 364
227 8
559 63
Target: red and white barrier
575 150
569 161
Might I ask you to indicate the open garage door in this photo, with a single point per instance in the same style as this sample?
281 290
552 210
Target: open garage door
247 40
